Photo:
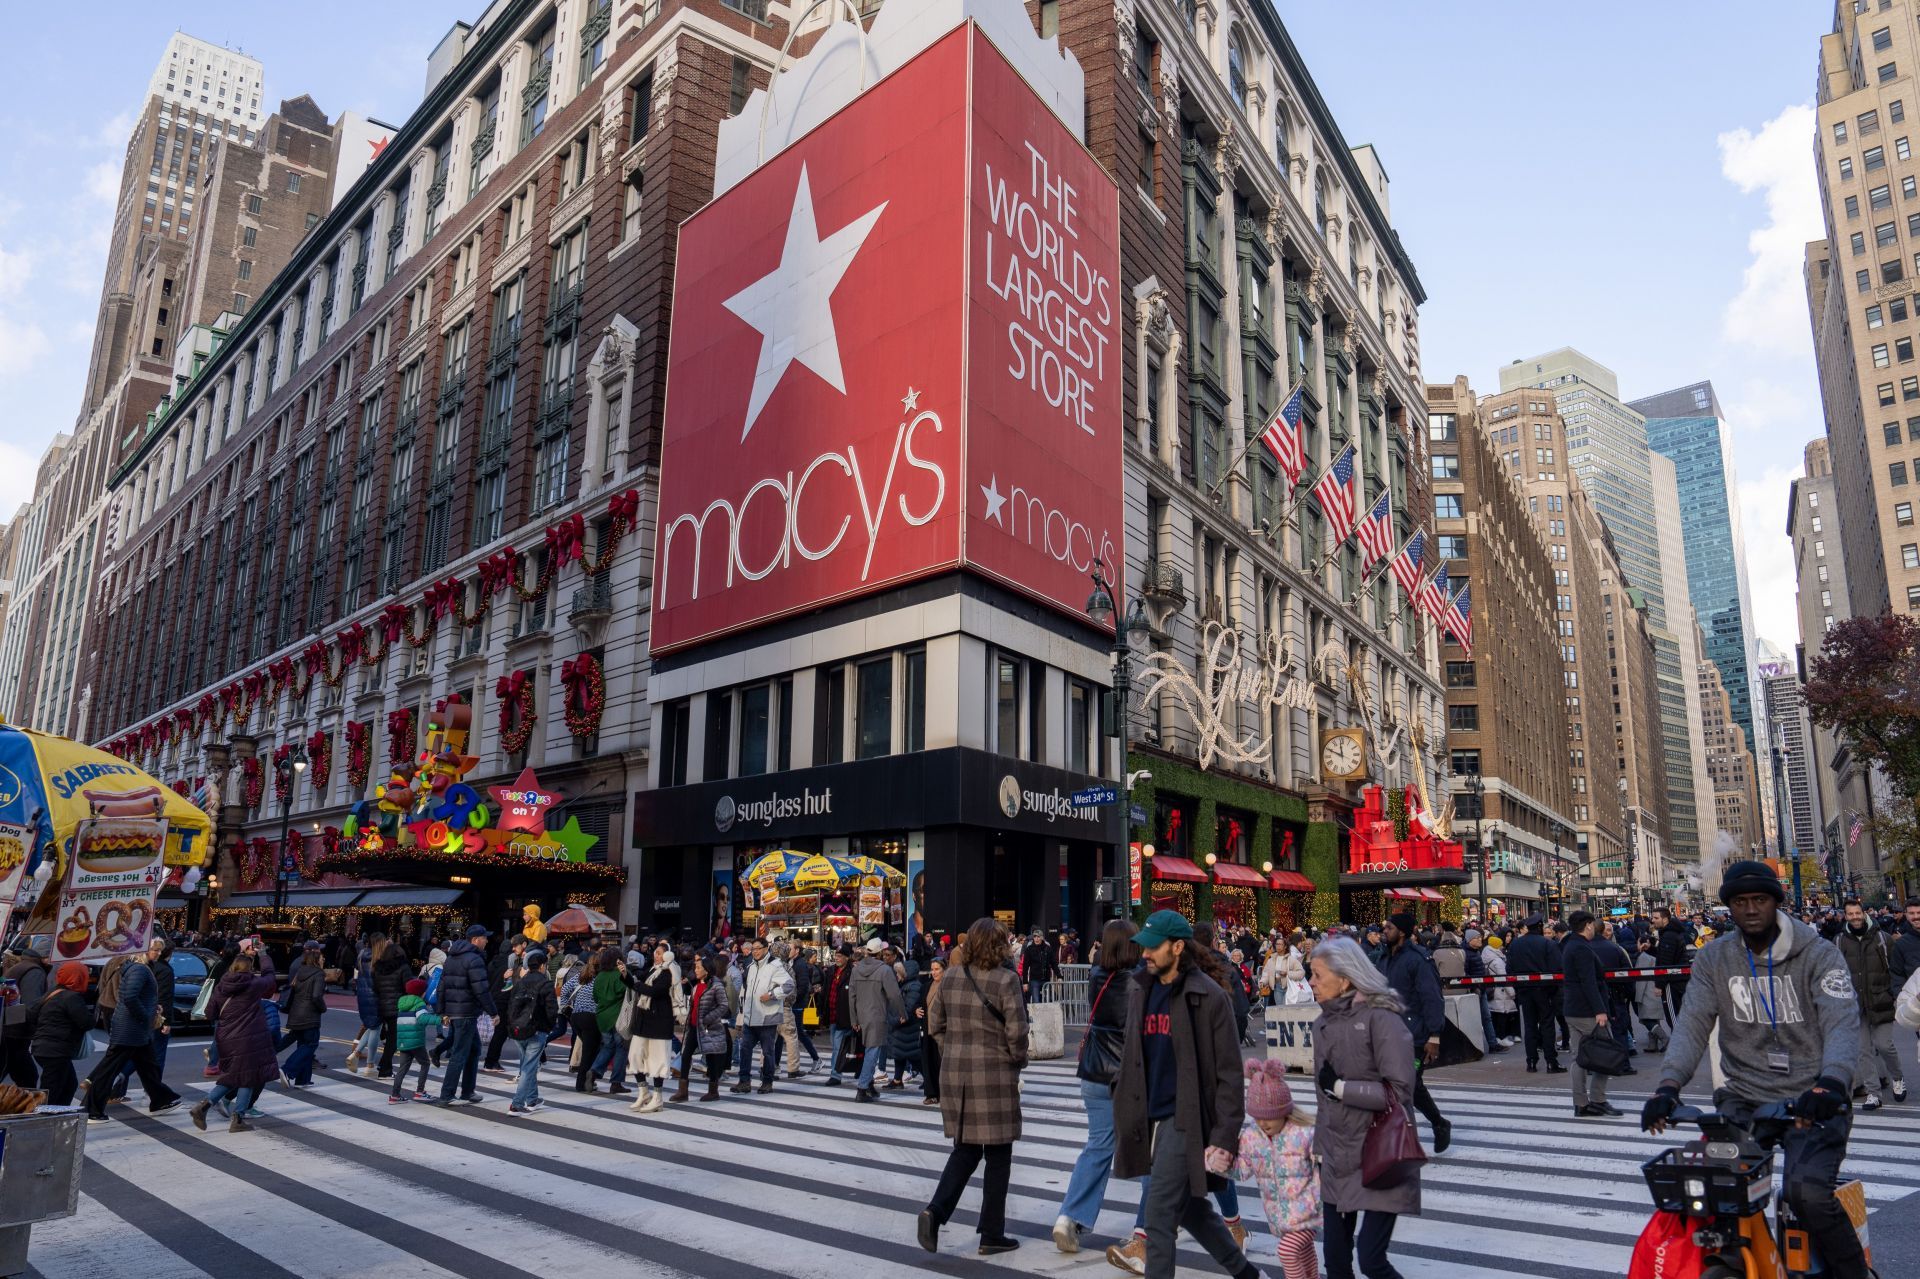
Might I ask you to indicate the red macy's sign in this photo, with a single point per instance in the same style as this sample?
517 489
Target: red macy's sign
895 352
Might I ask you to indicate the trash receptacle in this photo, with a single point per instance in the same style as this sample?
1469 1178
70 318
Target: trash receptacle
39 1176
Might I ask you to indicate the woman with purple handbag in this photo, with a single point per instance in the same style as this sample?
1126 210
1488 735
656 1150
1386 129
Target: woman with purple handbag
1368 1151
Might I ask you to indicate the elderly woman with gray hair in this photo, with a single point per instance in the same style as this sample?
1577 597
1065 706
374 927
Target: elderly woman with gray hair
1363 1062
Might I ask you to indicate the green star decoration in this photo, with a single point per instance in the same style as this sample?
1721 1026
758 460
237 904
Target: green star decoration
574 840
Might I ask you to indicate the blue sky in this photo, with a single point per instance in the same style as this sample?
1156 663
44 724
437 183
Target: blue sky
1635 180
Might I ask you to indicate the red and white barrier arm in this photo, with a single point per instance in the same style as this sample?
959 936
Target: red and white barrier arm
1538 979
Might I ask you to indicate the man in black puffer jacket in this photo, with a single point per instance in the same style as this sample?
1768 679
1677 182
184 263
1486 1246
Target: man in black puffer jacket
465 993
1586 1003
1673 948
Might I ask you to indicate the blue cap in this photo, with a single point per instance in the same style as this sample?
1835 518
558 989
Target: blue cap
475 931
1164 926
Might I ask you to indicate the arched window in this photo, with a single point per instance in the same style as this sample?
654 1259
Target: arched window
1237 71
1320 202
1282 148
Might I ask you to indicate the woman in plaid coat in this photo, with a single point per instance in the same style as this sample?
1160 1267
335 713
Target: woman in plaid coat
978 1019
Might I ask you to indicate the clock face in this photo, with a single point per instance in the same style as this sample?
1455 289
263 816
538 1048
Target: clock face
1340 756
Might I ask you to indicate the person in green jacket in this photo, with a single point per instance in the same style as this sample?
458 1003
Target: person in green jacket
410 1039
609 996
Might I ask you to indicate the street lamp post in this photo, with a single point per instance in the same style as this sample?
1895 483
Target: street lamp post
289 768
1100 611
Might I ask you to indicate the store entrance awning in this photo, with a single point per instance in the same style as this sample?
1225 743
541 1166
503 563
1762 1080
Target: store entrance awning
1292 881
1235 873
1179 868
401 898
1404 894
1433 895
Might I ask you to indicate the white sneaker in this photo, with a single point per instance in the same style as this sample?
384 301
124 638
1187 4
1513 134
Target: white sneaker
1899 1090
1066 1233
1872 1102
656 1100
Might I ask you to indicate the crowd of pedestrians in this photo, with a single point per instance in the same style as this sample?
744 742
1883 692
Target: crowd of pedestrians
1172 1099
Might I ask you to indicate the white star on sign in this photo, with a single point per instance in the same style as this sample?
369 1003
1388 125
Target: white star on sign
911 400
995 499
792 306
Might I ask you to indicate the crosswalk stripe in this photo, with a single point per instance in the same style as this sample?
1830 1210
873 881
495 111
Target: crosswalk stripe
97 1243
801 1183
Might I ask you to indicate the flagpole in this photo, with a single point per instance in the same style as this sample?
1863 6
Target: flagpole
1246 447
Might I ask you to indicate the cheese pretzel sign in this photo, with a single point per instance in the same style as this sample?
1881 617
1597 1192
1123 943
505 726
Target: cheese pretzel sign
118 928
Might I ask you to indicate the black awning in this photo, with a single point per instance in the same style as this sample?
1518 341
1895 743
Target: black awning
402 898
297 899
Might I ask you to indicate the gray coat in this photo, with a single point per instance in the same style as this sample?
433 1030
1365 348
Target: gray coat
981 1055
1370 1049
1206 1054
877 1005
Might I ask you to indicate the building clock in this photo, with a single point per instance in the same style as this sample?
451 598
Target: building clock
1343 755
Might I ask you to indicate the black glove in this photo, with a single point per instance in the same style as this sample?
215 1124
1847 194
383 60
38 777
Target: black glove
1659 1107
1825 1100
1327 1079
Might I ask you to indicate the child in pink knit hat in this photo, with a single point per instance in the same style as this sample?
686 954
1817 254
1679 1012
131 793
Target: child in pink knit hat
1276 1153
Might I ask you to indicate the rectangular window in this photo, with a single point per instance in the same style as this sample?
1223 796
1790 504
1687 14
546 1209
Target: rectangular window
1446 506
1446 466
739 87
1453 546
1903 350
1079 725
1880 359
1888 72
1903 514
1463 763
756 707
675 731
1874 318
640 108
1896 111
1840 131
1882 40
1461 675
1893 271
1006 705
1909 557
537 96
1853 206
874 695
1890 432
1901 149
1913 599
594 34
1846 168
1874 158
1886 393
1862 281
245 269
254 204
1910 388
1881 197
1886 234
293 183
914 718
1897 474
719 736
830 716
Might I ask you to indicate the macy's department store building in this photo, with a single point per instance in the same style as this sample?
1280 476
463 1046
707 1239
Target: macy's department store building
890 458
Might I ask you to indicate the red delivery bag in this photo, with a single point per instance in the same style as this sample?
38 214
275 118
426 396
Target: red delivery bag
1666 1250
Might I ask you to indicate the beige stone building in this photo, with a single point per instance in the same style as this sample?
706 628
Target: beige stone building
1861 290
1508 700
1736 792
1646 814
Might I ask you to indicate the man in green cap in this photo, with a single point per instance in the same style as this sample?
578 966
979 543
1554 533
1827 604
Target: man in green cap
1178 1103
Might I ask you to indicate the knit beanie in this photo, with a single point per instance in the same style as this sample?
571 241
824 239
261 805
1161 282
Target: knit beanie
1268 1096
1404 922
1750 877
73 976
416 987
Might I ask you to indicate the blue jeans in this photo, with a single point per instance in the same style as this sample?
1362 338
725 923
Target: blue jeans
531 1051
840 1036
869 1064
299 1063
463 1058
767 1039
1088 1185
242 1097
613 1052
1486 1022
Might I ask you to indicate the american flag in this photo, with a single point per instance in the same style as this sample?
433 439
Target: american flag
1854 828
1282 438
1433 594
1337 491
1375 533
1459 618
1406 565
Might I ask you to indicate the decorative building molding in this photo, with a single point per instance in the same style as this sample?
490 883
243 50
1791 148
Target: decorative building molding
1123 23
1170 93
1154 312
1226 154
1316 277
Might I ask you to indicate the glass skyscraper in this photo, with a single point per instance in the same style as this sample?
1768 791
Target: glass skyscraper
1687 426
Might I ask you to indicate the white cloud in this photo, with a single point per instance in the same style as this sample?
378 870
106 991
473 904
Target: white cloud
1763 520
17 471
1770 311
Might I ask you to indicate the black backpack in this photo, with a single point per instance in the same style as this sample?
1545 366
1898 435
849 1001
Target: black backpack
520 1014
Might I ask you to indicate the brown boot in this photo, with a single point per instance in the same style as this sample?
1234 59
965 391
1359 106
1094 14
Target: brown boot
680 1093
713 1089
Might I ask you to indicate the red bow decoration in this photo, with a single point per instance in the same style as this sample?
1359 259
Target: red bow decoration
442 597
281 672
625 506
163 731
567 540
586 694
230 699
204 709
1173 826
1233 834
400 735
497 572
282 773
393 621
315 656
320 759
351 643
253 780
516 711
510 685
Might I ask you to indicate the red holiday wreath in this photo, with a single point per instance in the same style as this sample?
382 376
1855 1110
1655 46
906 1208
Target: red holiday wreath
251 854
402 736
359 754
282 774
586 700
516 711
320 760
253 781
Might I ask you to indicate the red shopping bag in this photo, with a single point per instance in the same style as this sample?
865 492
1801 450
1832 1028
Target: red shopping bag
1666 1250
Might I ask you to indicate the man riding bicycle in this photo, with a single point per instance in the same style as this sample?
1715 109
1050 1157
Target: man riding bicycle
1789 1030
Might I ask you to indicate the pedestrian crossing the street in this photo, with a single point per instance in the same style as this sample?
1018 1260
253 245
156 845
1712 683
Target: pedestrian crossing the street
804 1182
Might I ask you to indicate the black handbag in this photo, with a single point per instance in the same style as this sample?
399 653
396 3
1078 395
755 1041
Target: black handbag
1601 1054
1100 1047
847 1060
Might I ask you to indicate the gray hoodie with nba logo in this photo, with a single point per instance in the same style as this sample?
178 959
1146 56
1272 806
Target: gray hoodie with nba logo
1796 997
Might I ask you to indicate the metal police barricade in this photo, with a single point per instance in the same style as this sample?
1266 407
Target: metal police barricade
39 1176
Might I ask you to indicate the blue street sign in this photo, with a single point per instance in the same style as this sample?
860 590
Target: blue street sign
1095 795
1137 815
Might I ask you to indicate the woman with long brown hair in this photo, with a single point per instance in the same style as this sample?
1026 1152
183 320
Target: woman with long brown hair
978 1019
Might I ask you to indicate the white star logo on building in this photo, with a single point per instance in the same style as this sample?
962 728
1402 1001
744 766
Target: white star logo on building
792 307
995 499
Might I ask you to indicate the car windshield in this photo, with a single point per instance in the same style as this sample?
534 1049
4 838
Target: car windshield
190 967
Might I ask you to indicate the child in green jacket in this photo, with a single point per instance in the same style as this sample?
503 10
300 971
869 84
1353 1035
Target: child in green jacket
410 1040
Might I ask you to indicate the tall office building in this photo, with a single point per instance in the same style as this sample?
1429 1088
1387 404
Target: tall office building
1736 791
1607 448
1687 426
1861 294
1847 789
1791 742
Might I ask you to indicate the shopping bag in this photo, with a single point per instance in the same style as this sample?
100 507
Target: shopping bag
573 1058
1298 993
483 1030
1666 1250
847 1060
